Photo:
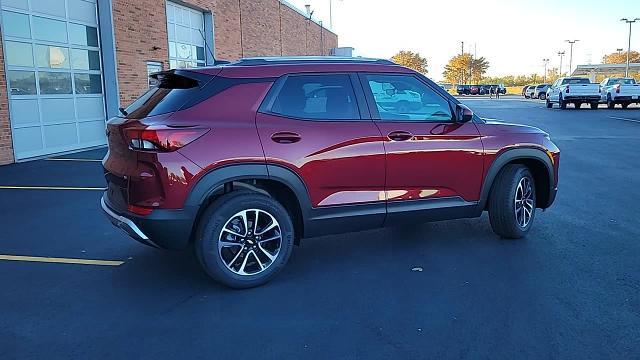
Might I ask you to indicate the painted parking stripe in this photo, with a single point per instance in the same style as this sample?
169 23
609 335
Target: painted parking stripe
79 160
625 119
61 260
12 187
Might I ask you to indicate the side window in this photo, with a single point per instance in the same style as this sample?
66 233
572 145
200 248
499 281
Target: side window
405 98
317 97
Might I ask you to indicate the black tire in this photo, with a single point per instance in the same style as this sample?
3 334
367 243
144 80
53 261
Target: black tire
625 105
610 103
542 96
561 103
549 104
502 215
594 106
577 105
211 224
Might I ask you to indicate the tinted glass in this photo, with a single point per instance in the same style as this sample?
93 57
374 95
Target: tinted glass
22 82
54 82
173 91
85 59
49 30
15 24
405 98
83 35
623 81
52 57
88 83
18 53
576 81
318 97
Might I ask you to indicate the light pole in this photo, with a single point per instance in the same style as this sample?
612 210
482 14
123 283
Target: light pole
630 22
546 61
561 54
571 42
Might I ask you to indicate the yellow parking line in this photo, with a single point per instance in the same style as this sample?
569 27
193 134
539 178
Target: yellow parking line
61 260
11 187
82 160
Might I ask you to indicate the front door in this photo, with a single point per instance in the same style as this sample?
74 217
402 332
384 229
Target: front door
431 160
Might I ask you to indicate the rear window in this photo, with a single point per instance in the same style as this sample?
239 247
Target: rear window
174 88
576 81
624 81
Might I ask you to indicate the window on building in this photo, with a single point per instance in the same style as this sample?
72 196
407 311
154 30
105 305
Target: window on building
185 31
317 97
153 67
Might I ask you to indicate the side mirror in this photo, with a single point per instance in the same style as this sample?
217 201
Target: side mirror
463 113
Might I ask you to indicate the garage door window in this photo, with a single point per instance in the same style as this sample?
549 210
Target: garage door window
185 30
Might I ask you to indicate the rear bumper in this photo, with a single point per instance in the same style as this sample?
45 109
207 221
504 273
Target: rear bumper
625 99
163 228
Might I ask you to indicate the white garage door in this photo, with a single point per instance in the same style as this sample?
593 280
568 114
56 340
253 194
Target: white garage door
53 68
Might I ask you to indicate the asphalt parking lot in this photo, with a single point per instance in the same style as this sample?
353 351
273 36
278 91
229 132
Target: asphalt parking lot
571 289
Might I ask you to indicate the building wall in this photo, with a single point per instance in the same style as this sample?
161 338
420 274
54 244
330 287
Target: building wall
242 28
6 146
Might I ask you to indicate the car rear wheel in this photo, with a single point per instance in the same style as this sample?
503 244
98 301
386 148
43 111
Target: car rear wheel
562 103
512 202
244 239
549 104
542 96
610 103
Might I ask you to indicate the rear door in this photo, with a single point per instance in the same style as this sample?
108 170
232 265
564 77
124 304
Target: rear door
318 126
428 156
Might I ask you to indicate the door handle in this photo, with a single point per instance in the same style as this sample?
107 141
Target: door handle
400 135
286 137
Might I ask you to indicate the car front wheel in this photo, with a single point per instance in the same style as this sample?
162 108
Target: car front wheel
512 202
244 239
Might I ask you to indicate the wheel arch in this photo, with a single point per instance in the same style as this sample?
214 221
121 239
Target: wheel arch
538 163
276 181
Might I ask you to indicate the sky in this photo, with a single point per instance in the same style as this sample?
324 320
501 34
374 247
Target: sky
513 35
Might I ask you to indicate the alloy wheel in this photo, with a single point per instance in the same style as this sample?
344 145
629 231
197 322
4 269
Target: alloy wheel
523 202
250 242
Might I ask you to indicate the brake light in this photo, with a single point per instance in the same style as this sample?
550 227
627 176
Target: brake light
139 210
567 91
161 140
618 89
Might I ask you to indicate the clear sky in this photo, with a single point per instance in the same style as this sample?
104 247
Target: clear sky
514 35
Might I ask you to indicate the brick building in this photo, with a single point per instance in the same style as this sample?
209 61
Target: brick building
67 65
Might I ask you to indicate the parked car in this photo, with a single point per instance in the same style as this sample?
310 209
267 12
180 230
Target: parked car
623 91
463 89
575 90
501 89
474 90
300 154
485 89
540 91
530 92
524 90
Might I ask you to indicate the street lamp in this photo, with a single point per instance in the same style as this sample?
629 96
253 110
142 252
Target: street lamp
571 42
630 22
561 54
546 61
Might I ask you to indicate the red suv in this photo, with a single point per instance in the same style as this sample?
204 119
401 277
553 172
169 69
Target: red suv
244 160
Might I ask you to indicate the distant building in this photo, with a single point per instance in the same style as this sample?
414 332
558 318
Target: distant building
597 72
69 64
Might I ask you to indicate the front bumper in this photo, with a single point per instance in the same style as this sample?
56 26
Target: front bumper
163 228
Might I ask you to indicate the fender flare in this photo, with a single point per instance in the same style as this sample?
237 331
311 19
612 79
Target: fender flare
508 156
216 178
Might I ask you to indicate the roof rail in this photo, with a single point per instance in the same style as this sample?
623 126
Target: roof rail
283 60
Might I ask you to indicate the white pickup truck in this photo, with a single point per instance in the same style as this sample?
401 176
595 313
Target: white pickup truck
623 91
573 90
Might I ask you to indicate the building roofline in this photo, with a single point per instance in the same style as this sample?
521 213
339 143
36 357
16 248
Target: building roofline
301 12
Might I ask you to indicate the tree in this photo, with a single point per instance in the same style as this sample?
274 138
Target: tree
621 57
464 68
411 60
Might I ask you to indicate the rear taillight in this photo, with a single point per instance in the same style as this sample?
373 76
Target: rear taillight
567 91
161 140
618 89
